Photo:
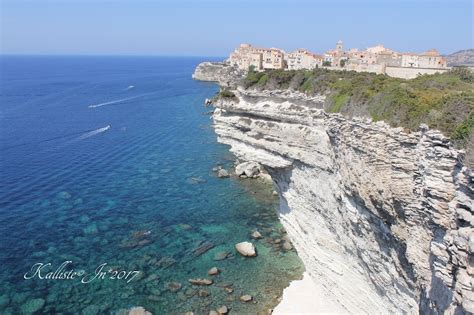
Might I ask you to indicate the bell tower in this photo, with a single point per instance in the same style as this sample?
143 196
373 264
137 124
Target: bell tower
339 47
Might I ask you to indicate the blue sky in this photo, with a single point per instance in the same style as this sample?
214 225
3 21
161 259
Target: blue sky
214 28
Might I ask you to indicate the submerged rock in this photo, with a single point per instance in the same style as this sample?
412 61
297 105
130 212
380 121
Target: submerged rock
246 249
200 281
196 180
202 247
141 234
155 291
152 277
256 235
190 292
173 286
213 271
246 298
91 229
203 293
222 255
64 195
223 310
166 262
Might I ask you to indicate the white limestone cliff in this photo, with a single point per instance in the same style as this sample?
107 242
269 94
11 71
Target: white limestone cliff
382 219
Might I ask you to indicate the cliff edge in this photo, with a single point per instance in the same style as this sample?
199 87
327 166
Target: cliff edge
382 219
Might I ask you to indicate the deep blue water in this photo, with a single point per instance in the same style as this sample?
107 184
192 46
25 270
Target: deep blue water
109 160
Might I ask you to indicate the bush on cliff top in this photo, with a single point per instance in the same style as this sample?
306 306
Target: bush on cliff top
226 94
443 101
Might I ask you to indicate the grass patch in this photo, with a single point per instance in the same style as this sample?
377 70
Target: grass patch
338 101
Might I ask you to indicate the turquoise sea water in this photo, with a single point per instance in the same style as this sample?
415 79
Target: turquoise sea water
108 160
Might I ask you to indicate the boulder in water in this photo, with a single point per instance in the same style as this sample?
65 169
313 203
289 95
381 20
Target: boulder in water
200 281
222 173
246 249
246 298
138 310
213 271
256 235
287 245
173 286
222 310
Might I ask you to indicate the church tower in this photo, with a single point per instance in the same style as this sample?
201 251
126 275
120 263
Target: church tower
339 47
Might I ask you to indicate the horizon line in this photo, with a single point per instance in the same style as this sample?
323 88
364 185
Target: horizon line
103 55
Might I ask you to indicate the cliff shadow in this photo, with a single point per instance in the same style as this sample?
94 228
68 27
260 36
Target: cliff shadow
281 178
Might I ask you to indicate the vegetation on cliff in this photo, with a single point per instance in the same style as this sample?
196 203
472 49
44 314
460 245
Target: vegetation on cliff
226 94
443 101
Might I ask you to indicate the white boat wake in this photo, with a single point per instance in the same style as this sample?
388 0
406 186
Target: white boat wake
94 132
116 101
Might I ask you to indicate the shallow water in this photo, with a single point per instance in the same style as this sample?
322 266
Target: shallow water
109 160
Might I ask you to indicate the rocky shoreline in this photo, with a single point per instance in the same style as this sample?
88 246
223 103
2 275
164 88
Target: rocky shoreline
383 219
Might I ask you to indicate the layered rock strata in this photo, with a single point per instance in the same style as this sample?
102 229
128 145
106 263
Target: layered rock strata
382 218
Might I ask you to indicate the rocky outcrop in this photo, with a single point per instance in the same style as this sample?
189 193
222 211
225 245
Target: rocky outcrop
220 72
382 218
249 169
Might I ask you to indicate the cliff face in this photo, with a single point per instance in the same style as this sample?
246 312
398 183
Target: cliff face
382 219
218 72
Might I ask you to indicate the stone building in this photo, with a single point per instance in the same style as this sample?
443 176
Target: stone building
303 59
273 58
431 59
389 58
260 58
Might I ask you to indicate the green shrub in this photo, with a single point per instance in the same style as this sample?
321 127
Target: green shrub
226 94
339 101
263 80
463 73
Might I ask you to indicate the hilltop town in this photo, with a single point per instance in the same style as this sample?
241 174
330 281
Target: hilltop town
377 59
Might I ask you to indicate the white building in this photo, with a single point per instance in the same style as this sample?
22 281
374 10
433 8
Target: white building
303 59
410 60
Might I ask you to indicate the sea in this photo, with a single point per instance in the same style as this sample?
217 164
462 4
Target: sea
108 198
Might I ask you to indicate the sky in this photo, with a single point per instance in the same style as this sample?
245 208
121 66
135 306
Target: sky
215 28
